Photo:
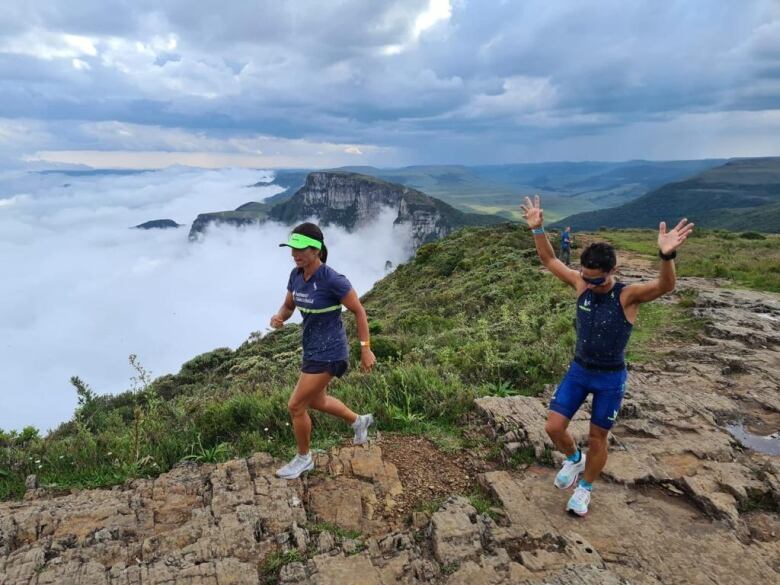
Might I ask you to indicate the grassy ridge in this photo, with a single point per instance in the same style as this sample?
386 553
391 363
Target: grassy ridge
747 259
470 315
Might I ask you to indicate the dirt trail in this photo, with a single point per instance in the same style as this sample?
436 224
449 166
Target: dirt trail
682 500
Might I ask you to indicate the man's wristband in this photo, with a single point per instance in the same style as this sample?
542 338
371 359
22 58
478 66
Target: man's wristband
537 231
667 257
365 344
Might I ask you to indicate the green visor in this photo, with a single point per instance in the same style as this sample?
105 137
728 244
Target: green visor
299 242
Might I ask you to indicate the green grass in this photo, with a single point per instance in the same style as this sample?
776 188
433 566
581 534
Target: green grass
755 502
430 506
335 530
470 315
511 213
526 456
484 503
275 561
658 325
748 262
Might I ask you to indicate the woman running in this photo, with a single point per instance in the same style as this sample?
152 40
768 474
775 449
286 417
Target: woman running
319 292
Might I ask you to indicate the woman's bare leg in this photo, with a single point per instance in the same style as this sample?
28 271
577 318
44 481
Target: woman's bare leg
333 406
308 388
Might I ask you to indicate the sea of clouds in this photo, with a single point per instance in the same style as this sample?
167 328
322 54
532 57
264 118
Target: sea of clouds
81 291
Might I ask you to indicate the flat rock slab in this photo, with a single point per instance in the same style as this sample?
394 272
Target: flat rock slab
520 420
340 570
346 502
455 532
358 490
583 576
643 537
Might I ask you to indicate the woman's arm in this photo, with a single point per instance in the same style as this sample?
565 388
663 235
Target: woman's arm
285 312
352 302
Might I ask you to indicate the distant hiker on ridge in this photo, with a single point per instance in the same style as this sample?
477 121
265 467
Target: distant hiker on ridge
566 242
606 312
318 292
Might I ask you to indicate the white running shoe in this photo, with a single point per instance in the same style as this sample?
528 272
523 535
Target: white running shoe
570 473
578 502
299 464
361 428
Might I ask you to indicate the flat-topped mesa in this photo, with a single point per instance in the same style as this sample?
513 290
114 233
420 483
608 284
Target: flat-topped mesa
251 213
345 199
158 224
351 200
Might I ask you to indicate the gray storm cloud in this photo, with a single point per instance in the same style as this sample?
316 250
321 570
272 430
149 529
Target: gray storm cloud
81 291
402 81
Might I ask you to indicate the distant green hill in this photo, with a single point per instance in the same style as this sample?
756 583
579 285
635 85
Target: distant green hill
743 194
764 218
250 213
567 187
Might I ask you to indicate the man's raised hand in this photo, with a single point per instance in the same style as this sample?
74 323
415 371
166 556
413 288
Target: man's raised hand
533 212
669 241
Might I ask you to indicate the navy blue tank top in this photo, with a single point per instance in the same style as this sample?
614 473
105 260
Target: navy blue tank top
319 301
602 330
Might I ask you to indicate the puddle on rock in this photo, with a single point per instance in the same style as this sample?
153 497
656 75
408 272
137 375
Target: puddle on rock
767 444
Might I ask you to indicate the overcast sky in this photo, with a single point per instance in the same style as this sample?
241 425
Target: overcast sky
306 83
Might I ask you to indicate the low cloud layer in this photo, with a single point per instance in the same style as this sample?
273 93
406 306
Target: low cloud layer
82 291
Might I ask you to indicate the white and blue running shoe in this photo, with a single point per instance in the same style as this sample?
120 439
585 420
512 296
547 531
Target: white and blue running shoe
570 473
578 502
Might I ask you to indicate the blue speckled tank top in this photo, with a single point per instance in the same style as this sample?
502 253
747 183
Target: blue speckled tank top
602 330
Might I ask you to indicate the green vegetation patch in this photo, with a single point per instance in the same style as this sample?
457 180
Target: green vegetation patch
746 259
470 315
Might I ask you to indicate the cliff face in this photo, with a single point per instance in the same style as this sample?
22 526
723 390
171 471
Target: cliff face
427 224
251 213
352 199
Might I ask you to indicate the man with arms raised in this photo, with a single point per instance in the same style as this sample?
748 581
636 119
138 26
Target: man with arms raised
606 312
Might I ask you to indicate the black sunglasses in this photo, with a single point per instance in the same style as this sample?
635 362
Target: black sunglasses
594 281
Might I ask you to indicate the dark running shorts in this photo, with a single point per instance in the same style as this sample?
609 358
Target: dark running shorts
607 389
336 369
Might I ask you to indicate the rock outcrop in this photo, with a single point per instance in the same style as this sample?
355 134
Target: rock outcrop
158 224
351 199
252 213
237 523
